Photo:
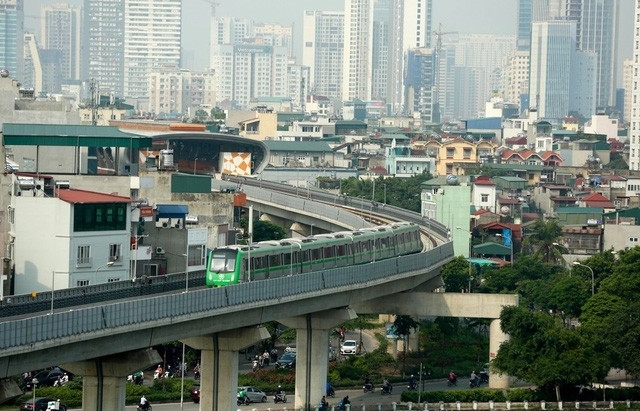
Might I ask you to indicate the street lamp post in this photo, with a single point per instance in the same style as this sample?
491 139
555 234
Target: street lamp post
593 283
109 264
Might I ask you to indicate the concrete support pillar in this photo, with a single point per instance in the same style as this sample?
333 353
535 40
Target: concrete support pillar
219 365
312 353
9 389
496 337
104 379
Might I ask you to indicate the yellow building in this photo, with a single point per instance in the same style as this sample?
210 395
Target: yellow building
452 154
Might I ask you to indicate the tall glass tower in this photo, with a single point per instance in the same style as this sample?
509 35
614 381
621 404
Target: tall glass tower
12 37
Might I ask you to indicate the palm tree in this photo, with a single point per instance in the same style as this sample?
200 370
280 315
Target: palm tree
543 240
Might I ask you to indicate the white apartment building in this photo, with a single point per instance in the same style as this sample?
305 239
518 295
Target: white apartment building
103 48
152 37
634 129
247 71
175 91
227 30
377 36
297 84
515 76
322 52
358 43
627 83
275 35
32 67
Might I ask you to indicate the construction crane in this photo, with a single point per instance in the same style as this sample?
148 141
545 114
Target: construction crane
213 5
439 33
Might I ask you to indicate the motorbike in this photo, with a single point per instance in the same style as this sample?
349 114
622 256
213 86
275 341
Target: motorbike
484 377
386 389
331 392
141 408
474 382
256 365
368 387
451 382
280 397
243 401
412 386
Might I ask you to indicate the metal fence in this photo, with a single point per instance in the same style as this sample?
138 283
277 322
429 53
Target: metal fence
211 302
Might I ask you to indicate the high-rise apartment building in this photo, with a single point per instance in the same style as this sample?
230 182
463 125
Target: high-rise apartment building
634 129
378 35
597 32
562 79
627 84
246 71
152 37
227 30
515 76
103 44
12 37
552 45
322 52
358 43
61 30
420 83
32 70
274 35
173 91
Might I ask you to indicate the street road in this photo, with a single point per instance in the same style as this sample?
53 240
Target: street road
357 397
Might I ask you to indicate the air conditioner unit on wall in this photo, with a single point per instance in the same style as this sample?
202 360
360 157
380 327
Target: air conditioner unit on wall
159 250
163 223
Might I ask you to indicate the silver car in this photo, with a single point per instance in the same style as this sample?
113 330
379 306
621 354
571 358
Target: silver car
254 394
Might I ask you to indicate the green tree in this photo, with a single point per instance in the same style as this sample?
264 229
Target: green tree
543 240
611 315
263 230
456 275
541 350
403 326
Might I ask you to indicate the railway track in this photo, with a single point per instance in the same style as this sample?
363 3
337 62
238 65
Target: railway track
433 233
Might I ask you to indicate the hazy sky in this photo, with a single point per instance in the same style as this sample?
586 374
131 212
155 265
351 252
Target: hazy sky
463 16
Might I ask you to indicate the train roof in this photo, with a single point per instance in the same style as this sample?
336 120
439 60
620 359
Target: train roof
319 239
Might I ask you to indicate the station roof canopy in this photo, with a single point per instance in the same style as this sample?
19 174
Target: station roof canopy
65 135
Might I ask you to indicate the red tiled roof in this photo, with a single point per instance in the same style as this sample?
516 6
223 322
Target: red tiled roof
595 197
74 196
481 211
483 181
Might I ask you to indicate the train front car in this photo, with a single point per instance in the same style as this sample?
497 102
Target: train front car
223 267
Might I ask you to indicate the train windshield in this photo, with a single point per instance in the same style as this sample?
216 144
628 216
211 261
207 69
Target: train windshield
223 261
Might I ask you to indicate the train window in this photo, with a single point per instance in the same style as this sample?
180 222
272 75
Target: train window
305 256
258 262
328 252
384 242
316 254
274 261
222 261
365 246
341 250
287 259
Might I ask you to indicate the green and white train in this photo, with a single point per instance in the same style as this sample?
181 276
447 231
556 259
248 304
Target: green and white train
272 259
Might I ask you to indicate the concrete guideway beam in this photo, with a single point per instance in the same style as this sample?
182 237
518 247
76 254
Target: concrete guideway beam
424 304
104 379
219 365
312 352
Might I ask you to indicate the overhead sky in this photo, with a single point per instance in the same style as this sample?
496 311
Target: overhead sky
463 16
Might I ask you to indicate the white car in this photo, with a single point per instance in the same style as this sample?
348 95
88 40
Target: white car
349 347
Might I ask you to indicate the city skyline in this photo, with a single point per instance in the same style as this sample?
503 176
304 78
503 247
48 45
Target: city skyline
486 17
